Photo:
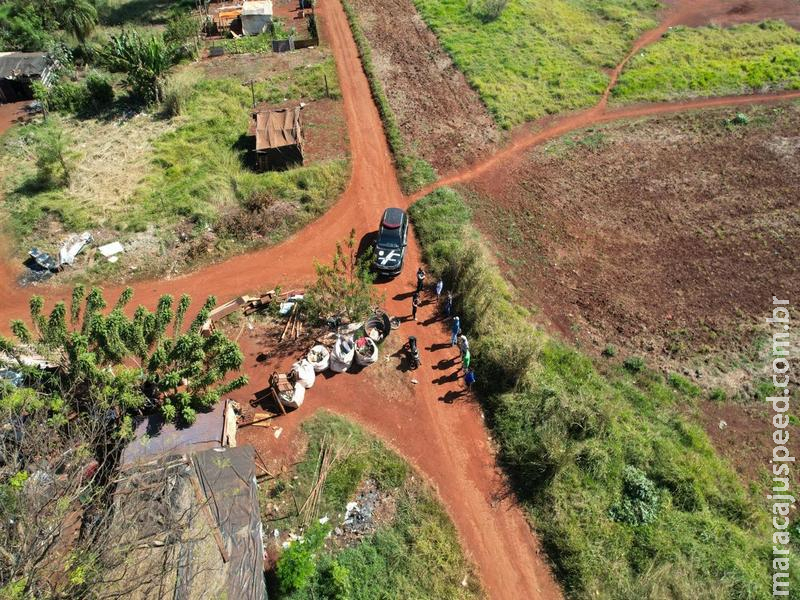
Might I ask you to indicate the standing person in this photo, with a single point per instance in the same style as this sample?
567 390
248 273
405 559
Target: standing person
439 288
465 359
463 344
469 377
414 305
420 279
448 304
455 331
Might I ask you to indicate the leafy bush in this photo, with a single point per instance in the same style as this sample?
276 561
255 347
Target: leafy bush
487 10
298 563
343 288
145 61
610 351
633 364
640 501
99 91
66 96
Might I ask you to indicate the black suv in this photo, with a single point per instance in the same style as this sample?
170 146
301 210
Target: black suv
390 248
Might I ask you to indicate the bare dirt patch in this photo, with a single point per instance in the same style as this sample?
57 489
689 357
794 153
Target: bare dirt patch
666 237
743 435
725 13
441 116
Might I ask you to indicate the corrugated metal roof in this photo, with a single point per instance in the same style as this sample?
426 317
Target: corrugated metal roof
277 128
22 64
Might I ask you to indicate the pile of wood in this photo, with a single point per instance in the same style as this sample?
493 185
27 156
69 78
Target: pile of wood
247 304
294 326
328 456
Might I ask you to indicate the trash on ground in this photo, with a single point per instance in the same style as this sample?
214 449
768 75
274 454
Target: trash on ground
43 259
72 247
278 432
286 307
342 354
319 357
366 351
15 378
110 250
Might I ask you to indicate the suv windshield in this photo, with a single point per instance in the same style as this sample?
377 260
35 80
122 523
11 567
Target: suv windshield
389 238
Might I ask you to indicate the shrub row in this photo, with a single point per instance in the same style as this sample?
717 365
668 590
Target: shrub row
414 172
614 477
94 94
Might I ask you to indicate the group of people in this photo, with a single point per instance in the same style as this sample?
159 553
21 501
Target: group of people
457 336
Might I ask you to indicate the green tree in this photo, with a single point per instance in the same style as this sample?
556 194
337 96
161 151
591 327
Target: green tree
298 563
145 61
54 159
132 364
343 288
78 18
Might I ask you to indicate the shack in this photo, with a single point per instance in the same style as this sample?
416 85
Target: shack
279 137
188 526
256 17
18 70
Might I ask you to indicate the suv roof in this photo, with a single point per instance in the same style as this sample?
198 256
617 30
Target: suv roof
392 218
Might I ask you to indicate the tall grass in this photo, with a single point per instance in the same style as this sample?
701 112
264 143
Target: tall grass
568 432
538 56
714 61
415 554
414 172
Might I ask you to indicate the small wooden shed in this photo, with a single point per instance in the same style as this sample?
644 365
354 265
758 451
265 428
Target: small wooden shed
279 137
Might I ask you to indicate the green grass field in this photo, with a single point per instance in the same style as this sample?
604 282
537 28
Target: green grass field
627 493
539 56
193 168
710 61
415 554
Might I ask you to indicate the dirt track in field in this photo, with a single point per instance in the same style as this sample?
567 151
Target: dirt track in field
446 441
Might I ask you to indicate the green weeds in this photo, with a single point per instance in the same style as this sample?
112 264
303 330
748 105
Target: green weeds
615 478
415 555
710 61
538 56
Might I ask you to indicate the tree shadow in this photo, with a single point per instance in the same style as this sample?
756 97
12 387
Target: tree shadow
142 12
366 242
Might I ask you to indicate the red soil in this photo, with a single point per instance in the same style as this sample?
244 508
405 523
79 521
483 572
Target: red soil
447 442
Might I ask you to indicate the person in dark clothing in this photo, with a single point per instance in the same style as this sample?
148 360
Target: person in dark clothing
420 279
414 305
448 304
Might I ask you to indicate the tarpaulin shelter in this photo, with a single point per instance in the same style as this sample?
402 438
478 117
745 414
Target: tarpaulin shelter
189 528
18 70
279 137
256 16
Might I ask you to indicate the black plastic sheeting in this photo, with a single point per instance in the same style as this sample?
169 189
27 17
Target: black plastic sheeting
228 479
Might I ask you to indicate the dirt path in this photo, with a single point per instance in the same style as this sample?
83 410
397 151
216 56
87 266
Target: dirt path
446 441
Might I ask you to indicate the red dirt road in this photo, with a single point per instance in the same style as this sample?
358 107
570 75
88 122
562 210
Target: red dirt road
447 442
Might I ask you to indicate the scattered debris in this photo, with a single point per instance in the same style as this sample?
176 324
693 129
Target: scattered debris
414 381
278 432
15 378
72 247
111 250
723 424
43 259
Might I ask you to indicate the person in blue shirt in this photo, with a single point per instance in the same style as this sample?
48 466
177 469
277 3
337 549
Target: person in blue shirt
469 377
455 331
